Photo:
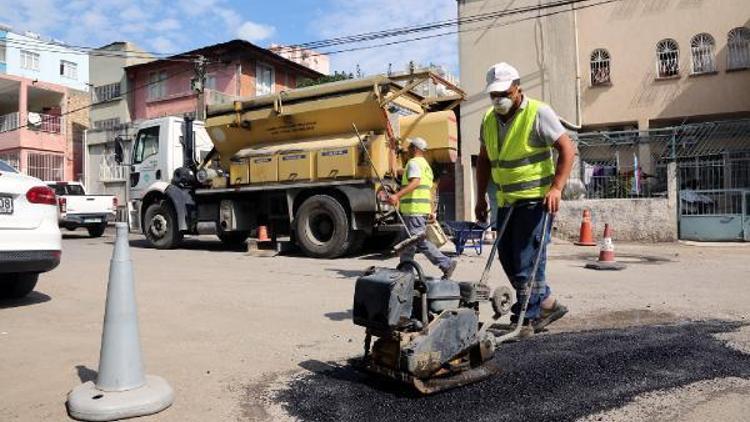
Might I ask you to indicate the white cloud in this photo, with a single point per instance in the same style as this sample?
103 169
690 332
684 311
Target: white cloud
348 17
255 32
162 44
165 25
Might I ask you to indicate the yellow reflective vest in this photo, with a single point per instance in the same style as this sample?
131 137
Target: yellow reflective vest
519 169
418 201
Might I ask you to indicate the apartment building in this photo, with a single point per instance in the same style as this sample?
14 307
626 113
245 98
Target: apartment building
320 63
235 68
609 67
44 88
110 116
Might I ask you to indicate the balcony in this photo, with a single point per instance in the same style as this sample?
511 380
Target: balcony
44 122
9 122
214 97
113 173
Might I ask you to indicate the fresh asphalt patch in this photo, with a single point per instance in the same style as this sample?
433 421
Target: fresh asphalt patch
549 377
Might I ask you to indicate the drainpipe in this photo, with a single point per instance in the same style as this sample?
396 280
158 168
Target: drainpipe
579 117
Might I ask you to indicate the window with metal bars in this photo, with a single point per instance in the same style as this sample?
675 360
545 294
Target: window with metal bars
667 58
702 52
738 48
600 67
106 92
44 166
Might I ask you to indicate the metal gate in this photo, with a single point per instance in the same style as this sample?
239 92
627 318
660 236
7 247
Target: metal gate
715 197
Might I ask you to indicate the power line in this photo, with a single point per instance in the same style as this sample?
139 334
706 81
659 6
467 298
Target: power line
62 49
458 31
368 36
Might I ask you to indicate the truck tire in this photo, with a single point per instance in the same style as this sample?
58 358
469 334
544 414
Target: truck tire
97 231
17 285
233 240
322 227
160 226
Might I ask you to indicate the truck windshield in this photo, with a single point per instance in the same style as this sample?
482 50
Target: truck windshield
146 144
66 189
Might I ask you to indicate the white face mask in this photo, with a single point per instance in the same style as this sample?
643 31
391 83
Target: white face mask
502 105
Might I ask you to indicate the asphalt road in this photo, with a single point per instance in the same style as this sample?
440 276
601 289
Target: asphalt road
243 338
551 377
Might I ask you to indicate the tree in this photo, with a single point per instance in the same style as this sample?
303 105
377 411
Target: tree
337 76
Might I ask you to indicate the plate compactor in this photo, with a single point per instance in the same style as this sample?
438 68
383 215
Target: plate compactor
428 331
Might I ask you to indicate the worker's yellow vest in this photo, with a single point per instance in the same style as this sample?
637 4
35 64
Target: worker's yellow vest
418 201
519 170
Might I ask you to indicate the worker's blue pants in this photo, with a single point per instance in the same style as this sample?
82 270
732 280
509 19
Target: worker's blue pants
517 250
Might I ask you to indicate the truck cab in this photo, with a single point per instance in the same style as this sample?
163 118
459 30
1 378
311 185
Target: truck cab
157 152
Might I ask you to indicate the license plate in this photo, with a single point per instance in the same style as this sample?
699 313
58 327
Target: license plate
6 205
92 220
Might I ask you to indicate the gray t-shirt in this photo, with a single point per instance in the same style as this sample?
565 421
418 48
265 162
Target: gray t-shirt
413 170
547 126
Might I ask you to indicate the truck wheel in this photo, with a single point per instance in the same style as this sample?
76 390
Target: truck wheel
382 241
17 285
97 231
322 227
233 240
161 226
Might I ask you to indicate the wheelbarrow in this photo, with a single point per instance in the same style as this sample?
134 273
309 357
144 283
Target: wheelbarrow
466 232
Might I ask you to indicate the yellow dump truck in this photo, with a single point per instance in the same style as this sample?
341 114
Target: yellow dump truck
290 161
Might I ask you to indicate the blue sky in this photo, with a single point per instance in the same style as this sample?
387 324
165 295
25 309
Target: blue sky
175 26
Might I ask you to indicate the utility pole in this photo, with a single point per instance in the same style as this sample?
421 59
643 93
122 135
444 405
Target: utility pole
199 85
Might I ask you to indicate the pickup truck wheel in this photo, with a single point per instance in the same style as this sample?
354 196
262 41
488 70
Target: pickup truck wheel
17 285
322 227
233 239
161 226
97 231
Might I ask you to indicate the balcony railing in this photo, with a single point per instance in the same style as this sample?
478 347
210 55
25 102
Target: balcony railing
8 122
48 123
113 173
214 97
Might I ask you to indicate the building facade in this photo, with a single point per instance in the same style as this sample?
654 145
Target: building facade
110 116
320 63
44 86
635 65
235 69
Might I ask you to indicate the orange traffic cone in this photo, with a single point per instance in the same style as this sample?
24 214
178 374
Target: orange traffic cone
263 234
586 236
606 259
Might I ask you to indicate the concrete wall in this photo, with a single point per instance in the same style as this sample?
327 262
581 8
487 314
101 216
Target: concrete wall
629 31
647 219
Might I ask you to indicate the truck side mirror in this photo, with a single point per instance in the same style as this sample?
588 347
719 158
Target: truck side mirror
118 150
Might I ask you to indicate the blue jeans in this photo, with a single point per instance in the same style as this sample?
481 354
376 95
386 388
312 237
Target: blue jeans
518 249
417 225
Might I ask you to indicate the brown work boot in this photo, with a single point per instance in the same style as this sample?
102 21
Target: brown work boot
448 271
548 316
527 330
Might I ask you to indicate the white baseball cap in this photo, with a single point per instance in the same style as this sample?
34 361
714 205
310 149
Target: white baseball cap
418 143
500 77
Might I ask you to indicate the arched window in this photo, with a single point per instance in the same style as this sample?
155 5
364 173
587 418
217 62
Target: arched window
600 67
702 52
738 46
667 58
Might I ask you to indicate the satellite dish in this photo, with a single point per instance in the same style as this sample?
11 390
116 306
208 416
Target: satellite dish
34 119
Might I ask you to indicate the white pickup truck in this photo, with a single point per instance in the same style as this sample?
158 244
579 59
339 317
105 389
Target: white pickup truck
77 209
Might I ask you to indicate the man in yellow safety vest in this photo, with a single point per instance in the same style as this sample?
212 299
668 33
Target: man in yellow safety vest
517 138
414 200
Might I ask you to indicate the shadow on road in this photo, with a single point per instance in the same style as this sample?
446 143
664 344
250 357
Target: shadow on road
32 298
190 244
339 316
85 373
551 377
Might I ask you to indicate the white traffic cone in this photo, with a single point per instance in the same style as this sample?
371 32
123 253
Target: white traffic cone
121 389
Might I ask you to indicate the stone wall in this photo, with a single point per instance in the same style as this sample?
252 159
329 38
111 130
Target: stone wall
642 219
